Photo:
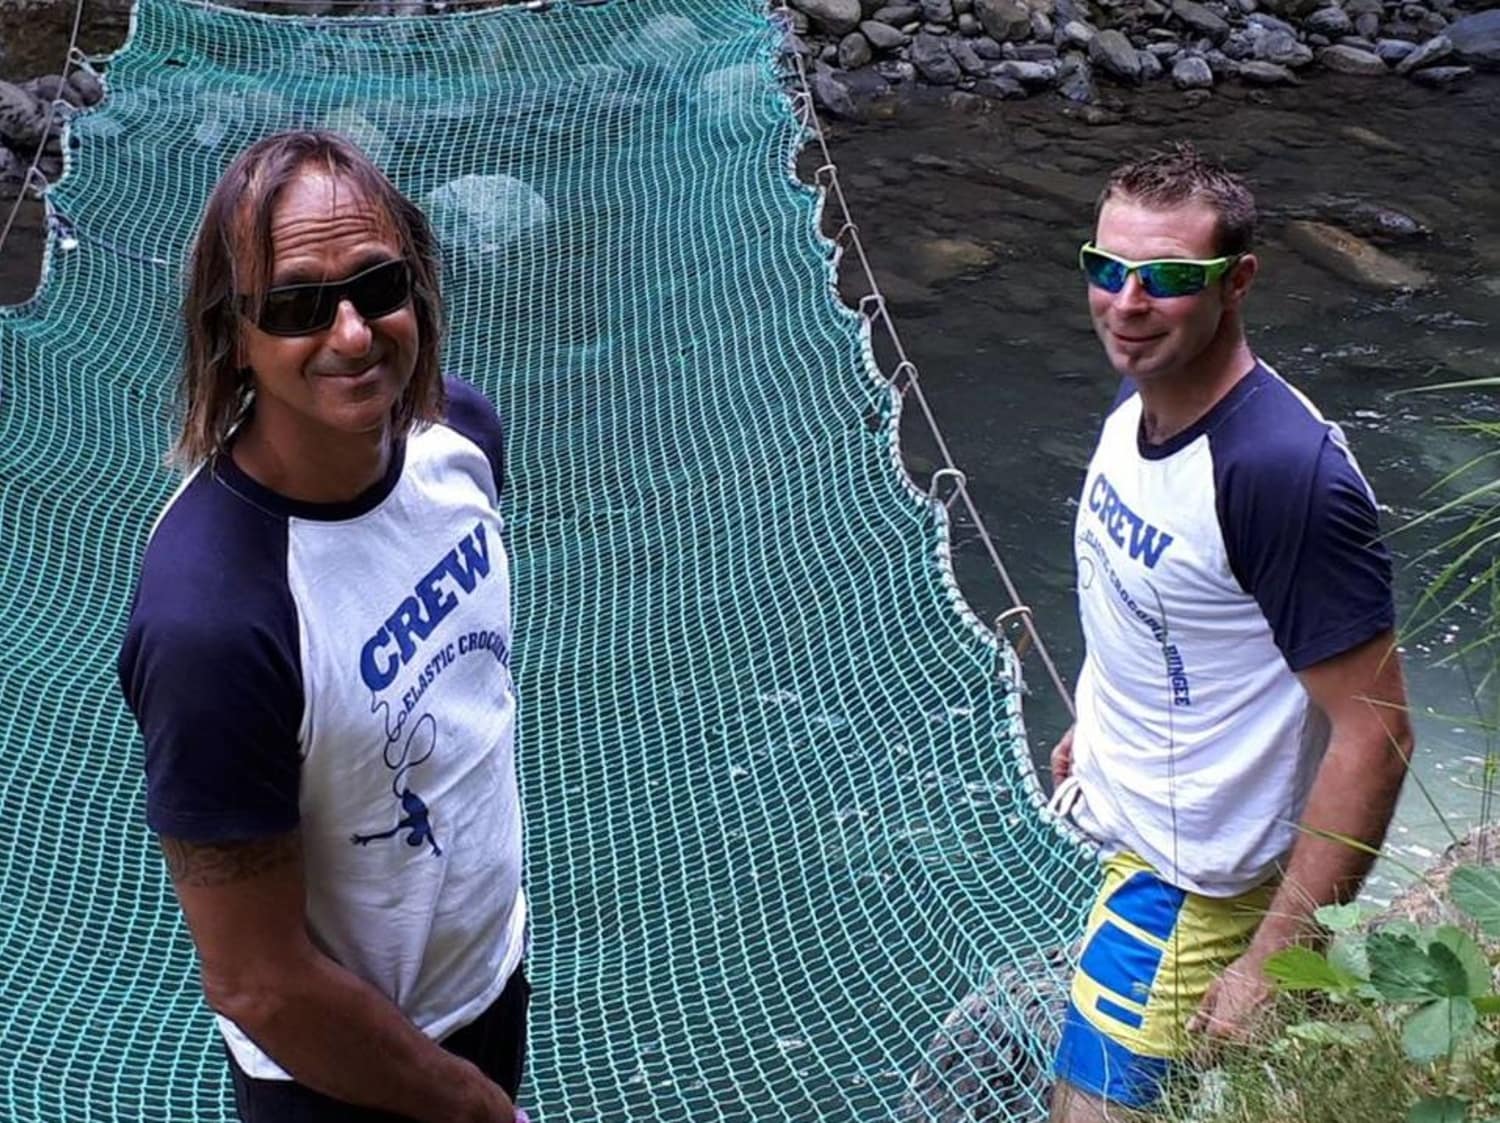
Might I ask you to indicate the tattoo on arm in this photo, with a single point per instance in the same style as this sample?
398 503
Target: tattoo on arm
223 863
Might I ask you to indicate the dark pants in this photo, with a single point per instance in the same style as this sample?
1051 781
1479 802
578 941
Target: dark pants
495 1042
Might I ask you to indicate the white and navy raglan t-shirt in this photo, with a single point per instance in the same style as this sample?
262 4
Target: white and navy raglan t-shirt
1211 569
345 670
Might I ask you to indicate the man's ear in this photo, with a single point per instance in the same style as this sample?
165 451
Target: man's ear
1240 277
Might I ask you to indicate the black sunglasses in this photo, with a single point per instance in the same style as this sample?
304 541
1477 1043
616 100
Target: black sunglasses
303 309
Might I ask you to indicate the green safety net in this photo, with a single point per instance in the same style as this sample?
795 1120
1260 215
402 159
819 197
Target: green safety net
780 817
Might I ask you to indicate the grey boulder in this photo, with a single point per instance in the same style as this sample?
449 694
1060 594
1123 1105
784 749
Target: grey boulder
1114 54
1344 59
1476 39
1434 50
1282 48
837 17
1004 20
854 51
931 57
1192 74
1201 20
882 36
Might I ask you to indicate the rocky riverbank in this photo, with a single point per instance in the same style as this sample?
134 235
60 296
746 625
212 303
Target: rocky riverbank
857 50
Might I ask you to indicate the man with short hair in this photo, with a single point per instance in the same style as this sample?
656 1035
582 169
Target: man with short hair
1241 703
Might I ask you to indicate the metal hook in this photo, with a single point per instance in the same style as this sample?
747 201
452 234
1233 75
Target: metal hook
903 376
960 482
1019 612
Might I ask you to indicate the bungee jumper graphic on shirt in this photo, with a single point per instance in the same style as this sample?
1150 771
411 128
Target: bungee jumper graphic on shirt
414 814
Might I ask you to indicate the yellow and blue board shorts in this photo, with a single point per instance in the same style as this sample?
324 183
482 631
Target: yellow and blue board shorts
1150 951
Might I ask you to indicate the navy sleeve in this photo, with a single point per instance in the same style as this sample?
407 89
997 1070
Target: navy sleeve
209 667
471 413
1303 539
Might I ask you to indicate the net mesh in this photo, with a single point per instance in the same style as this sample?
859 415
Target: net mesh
780 817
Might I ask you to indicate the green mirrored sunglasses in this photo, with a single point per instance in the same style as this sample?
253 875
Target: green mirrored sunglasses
1160 278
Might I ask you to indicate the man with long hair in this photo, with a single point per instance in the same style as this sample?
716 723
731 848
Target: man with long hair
319 661
1241 705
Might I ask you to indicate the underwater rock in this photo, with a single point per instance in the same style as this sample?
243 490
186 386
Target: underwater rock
23 119
1352 258
484 213
991 1056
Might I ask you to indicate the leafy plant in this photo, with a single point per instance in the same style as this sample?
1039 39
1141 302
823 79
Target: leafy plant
1435 984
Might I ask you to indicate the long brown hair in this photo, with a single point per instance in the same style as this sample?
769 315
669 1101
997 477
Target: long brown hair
231 264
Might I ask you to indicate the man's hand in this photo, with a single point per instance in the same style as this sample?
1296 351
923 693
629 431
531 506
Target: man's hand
1236 1002
1062 758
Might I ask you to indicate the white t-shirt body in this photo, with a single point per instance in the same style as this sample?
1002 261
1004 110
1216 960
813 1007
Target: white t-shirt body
1211 569
344 670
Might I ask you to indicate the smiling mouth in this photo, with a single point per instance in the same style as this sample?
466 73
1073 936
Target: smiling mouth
1134 338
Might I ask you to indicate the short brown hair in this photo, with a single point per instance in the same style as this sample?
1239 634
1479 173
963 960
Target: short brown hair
1178 174
231 263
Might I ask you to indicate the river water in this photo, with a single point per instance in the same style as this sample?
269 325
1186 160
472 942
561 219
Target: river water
972 219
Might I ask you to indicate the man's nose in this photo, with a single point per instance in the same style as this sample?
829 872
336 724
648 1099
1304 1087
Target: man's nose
1133 297
350 332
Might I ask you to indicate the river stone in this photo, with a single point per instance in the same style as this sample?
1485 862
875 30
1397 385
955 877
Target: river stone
882 36
1441 75
986 48
831 95
1269 23
1192 74
1351 60
483 214
1151 67
1291 9
1003 20
1036 52
930 56
1113 53
1367 25
991 1055
937 11
1394 50
1201 20
1077 83
837 17
1434 50
968 59
1432 24
53 87
1283 49
854 51
1476 39
999 88
963 7
1042 29
940 260
23 119
1032 75
897 15
969 26
1352 258
1078 33
1239 45
1259 73
1332 22
86 82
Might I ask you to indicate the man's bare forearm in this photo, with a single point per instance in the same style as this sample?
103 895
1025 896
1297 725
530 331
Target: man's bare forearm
329 1029
1354 797
338 1035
